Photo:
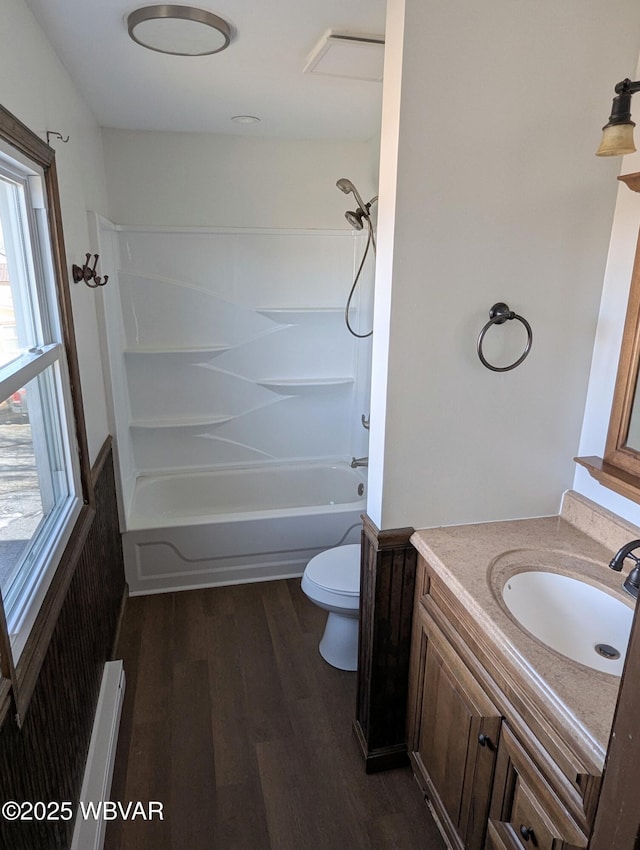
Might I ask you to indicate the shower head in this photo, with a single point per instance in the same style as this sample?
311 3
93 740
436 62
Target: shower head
347 186
355 218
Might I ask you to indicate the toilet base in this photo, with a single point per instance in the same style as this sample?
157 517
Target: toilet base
339 643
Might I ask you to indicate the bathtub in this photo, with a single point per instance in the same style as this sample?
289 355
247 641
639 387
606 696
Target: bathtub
227 526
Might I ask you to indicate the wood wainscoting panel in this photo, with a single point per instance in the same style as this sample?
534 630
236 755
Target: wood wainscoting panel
388 570
45 759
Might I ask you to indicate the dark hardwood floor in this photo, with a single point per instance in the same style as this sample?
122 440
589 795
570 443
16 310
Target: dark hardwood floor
234 723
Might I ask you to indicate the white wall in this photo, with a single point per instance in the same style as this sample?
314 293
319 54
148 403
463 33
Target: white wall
36 88
495 195
203 180
389 139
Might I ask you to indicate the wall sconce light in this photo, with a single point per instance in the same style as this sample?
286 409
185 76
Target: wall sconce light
617 134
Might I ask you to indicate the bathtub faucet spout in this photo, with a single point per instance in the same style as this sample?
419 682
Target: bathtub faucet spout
359 461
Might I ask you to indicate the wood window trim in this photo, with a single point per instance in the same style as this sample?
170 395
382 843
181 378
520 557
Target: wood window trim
19 682
616 451
6 667
19 136
619 469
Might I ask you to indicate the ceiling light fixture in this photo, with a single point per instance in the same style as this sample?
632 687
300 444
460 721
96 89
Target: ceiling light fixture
617 135
179 30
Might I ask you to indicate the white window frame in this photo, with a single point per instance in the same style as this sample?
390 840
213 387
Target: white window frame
28 617
35 300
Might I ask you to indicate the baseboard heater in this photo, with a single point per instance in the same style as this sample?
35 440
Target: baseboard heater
89 831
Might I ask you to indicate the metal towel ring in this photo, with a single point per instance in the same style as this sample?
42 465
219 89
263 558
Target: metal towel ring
498 315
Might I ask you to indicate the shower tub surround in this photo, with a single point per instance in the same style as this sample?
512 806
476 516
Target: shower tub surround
238 393
245 524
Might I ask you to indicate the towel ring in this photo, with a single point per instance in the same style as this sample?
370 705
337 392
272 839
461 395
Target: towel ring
498 315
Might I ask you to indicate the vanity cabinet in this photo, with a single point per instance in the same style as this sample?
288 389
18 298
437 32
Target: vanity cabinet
490 781
454 734
525 812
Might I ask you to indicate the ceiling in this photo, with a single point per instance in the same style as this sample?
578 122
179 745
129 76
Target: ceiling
260 73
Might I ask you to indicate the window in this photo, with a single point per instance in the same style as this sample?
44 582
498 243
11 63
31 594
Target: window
45 490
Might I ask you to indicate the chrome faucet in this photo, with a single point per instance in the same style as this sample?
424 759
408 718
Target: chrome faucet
364 461
632 581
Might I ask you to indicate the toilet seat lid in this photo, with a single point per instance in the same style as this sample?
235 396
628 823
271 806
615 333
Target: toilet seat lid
337 569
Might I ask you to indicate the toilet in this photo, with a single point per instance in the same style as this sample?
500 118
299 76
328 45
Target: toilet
332 581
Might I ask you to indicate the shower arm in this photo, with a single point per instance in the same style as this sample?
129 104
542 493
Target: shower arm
366 208
370 223
372 234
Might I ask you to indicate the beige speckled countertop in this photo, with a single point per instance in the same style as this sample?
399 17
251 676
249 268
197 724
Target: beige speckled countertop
474 560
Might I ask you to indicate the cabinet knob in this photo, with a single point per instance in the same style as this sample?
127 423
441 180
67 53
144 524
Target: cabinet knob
526 832
485 741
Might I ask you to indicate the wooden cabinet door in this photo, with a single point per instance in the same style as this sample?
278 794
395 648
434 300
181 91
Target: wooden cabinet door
499 839
525 811
454 732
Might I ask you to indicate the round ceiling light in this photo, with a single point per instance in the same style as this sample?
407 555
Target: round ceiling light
179 30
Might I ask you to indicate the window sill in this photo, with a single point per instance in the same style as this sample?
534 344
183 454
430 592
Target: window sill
30 662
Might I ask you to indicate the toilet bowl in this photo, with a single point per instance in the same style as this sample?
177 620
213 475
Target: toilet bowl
332 581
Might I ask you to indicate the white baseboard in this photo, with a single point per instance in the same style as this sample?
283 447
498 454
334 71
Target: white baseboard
89 833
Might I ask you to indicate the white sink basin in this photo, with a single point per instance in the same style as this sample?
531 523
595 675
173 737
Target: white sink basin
577 619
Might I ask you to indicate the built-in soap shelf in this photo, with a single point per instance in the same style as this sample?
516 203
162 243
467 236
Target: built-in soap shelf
180 421
186 349
299 315
300 386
